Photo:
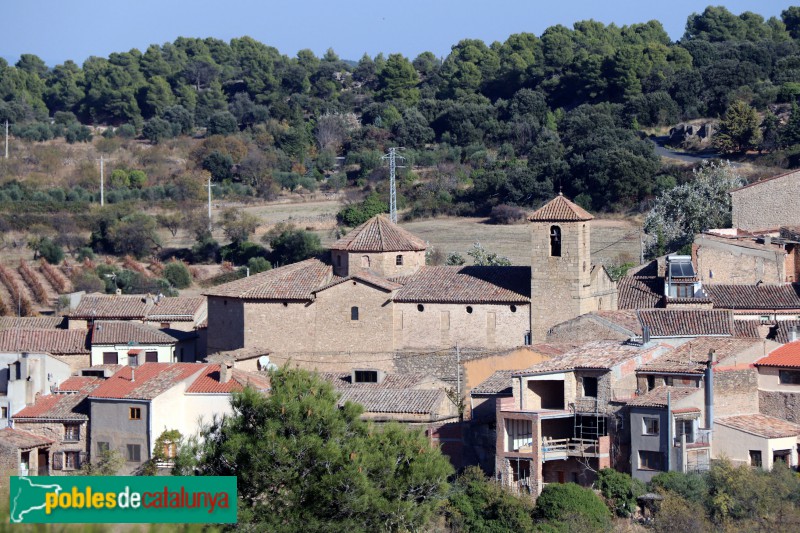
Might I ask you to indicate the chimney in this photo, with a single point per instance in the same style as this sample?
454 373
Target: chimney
767 240
645 335
133 375
709 390
224 372
792 333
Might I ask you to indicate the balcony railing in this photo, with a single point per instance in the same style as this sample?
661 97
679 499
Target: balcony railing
555 448
700 439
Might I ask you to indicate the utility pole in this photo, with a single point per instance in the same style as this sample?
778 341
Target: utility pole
393 157
209 203
6 138
102 192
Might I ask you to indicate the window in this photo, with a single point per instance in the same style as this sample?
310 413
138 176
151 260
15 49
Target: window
764 319
110 358
651 383
590 387
420 308
650 460
72 432
151 357
134 453
555 241
684 427
366 376
3 412
789 377
103 447
755 458
364 261
513 308
649 425
135 413
398 260
684 291
133 359
354 313
72 460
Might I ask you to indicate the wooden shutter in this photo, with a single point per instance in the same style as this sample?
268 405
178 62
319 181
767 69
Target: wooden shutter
58 461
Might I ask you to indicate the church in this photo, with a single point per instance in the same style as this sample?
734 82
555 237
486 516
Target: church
374 294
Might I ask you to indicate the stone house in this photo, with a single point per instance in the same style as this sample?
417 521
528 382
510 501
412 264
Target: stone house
63 418
779 382
25 376
563 421
23 454
731 256
178 313
132 408
767 204
129 343
374 294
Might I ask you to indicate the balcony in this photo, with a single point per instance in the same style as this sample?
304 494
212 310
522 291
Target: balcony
556 449
700 439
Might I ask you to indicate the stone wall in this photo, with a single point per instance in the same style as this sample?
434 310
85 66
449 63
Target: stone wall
584 329
735 392
737 264
384 263
226 324
785 405
55 432
769 204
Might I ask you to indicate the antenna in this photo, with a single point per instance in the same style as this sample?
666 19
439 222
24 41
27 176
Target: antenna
393 157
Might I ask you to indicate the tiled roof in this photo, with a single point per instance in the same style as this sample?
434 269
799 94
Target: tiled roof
687 322
466 284
128 333
32 322
379 234
106 307
240 354
765 426
781 330
402 401
787 356
639 292
52 341
785 174
62 406
366 277
177 309
658 396
753 296
690 357
497 383
146 381
342 381
15 438
291 282
208 382
626 319
600 355
746 329
559 209
77 383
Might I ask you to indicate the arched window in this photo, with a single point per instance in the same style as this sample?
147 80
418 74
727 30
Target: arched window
555 241
364 261
354 313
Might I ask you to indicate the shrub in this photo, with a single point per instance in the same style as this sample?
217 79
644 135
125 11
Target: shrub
620 491
478 504
572 504
222 123
258 264
507 214
177 274
356 214
51 251
127 131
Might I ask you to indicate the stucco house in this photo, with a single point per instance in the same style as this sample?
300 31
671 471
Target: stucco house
23 377
129 343
179 312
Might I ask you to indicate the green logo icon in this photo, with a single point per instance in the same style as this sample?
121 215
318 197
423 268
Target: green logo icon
121 499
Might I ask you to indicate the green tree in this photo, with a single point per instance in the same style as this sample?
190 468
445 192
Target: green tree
578 508
51 251
177 274
222 123
290 245
476 503
620 491
305 463
397 81
258 264
739 129
107 463
356 214
238 225
482 257
790 133
134 234
157 130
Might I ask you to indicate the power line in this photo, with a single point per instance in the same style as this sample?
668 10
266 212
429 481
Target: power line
393 157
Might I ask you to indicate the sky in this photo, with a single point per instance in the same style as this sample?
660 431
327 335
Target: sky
57 30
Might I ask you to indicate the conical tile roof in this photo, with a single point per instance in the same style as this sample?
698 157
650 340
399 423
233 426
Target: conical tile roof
379 234
559 209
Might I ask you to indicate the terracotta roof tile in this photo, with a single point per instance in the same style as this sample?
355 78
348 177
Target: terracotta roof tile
146 381
208 382
746 329
658 396
639 292
77 383
401 401
466 284
787 356
297 281
342 381
52 341
753 296
60 405
690 357
780 331
559 209
15 438
497 383
128 333
687 322
176 309
765 426
32 322
109 307
626 319
379 234
366 277
600 355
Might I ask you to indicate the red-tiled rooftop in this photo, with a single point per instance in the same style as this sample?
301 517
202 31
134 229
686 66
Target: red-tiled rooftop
146 381
466 284
106 332
297 281
109 307
639 292
15 438
52 341
379 234
32 322
599 355
690 357
762 296
687 322
176 309
765 426
208 382
559 209
77 383
658 396
401 401
787 356
366 277
61 405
